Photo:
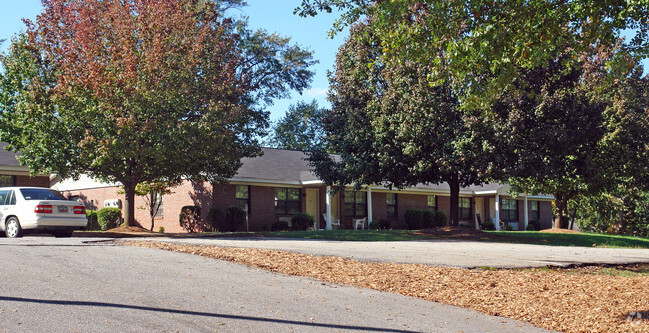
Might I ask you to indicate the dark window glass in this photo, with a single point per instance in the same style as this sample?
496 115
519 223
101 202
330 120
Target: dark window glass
4 194
535 216
41 194
509 210
243 197
11 198
287 201
391 204
464 205
355 204
7 181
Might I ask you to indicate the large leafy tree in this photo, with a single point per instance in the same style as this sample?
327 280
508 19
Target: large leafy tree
142 91
485 44
391 126
300 129
551 126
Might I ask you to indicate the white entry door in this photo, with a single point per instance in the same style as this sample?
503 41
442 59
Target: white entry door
313 205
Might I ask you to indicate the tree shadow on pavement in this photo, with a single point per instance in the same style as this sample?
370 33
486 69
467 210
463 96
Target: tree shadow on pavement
197 313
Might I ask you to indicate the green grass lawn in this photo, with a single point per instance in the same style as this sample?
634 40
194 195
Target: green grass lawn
521 237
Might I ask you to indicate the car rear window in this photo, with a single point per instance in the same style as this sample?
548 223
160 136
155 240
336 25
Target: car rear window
41 194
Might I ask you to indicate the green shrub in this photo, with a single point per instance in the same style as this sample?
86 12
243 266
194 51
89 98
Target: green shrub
374 225
109 218
161 229
235 217
190 218
427 219
414 218
302 221
488 225
214 218
279 226
93 224
439 218
536 224
509 228
530 227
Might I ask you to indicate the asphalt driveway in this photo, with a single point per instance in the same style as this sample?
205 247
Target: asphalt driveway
455 253
70 285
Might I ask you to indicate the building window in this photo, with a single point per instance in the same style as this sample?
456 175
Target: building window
7 181
243 197
535 215
287 201
464 205
391 204
355 204
510 210
432 202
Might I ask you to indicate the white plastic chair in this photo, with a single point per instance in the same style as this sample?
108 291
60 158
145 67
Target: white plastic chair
361 222
334 221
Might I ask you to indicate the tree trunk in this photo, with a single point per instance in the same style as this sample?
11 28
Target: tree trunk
152 210
129 205
561 206
454 185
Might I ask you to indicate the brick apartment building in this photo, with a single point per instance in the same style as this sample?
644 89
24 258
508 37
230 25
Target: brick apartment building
280 183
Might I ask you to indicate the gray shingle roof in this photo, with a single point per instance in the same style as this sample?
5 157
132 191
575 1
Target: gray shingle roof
290 165
7 158
277 165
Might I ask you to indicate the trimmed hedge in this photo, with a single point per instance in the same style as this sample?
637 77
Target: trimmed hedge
214 219
235 217
488 225
109 218
279 226
424 219
380 225
93 224
302 221
190 218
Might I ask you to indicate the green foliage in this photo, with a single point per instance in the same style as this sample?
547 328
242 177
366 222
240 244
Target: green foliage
509 228
235 217
214 219
626 213
480 46
300 129
190 218
424 219
302 221
488 225
109 218
414 218
93 223
161 229
530 227
279 226
380 225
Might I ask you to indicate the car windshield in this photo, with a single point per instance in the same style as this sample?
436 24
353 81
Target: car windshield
41 194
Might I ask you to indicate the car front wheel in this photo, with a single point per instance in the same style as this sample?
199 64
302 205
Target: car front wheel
12 228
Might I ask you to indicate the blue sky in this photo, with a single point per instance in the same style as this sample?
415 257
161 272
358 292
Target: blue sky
272 15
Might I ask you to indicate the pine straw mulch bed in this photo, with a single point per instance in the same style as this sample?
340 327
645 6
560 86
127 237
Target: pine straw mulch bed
551 299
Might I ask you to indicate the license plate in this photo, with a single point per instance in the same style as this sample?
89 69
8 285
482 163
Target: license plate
63 209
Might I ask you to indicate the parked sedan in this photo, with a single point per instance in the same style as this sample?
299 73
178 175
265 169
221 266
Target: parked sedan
27 209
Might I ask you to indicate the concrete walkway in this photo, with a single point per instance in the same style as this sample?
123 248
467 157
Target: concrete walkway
456 253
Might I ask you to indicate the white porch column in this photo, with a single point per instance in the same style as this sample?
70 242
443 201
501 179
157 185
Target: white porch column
497 222
328 203
526 218
369 205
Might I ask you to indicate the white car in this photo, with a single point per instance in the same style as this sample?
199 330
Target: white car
39 209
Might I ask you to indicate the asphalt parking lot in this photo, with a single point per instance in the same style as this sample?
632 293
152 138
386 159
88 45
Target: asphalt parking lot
81 285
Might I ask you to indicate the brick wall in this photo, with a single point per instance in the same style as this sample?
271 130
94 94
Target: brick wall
38 181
